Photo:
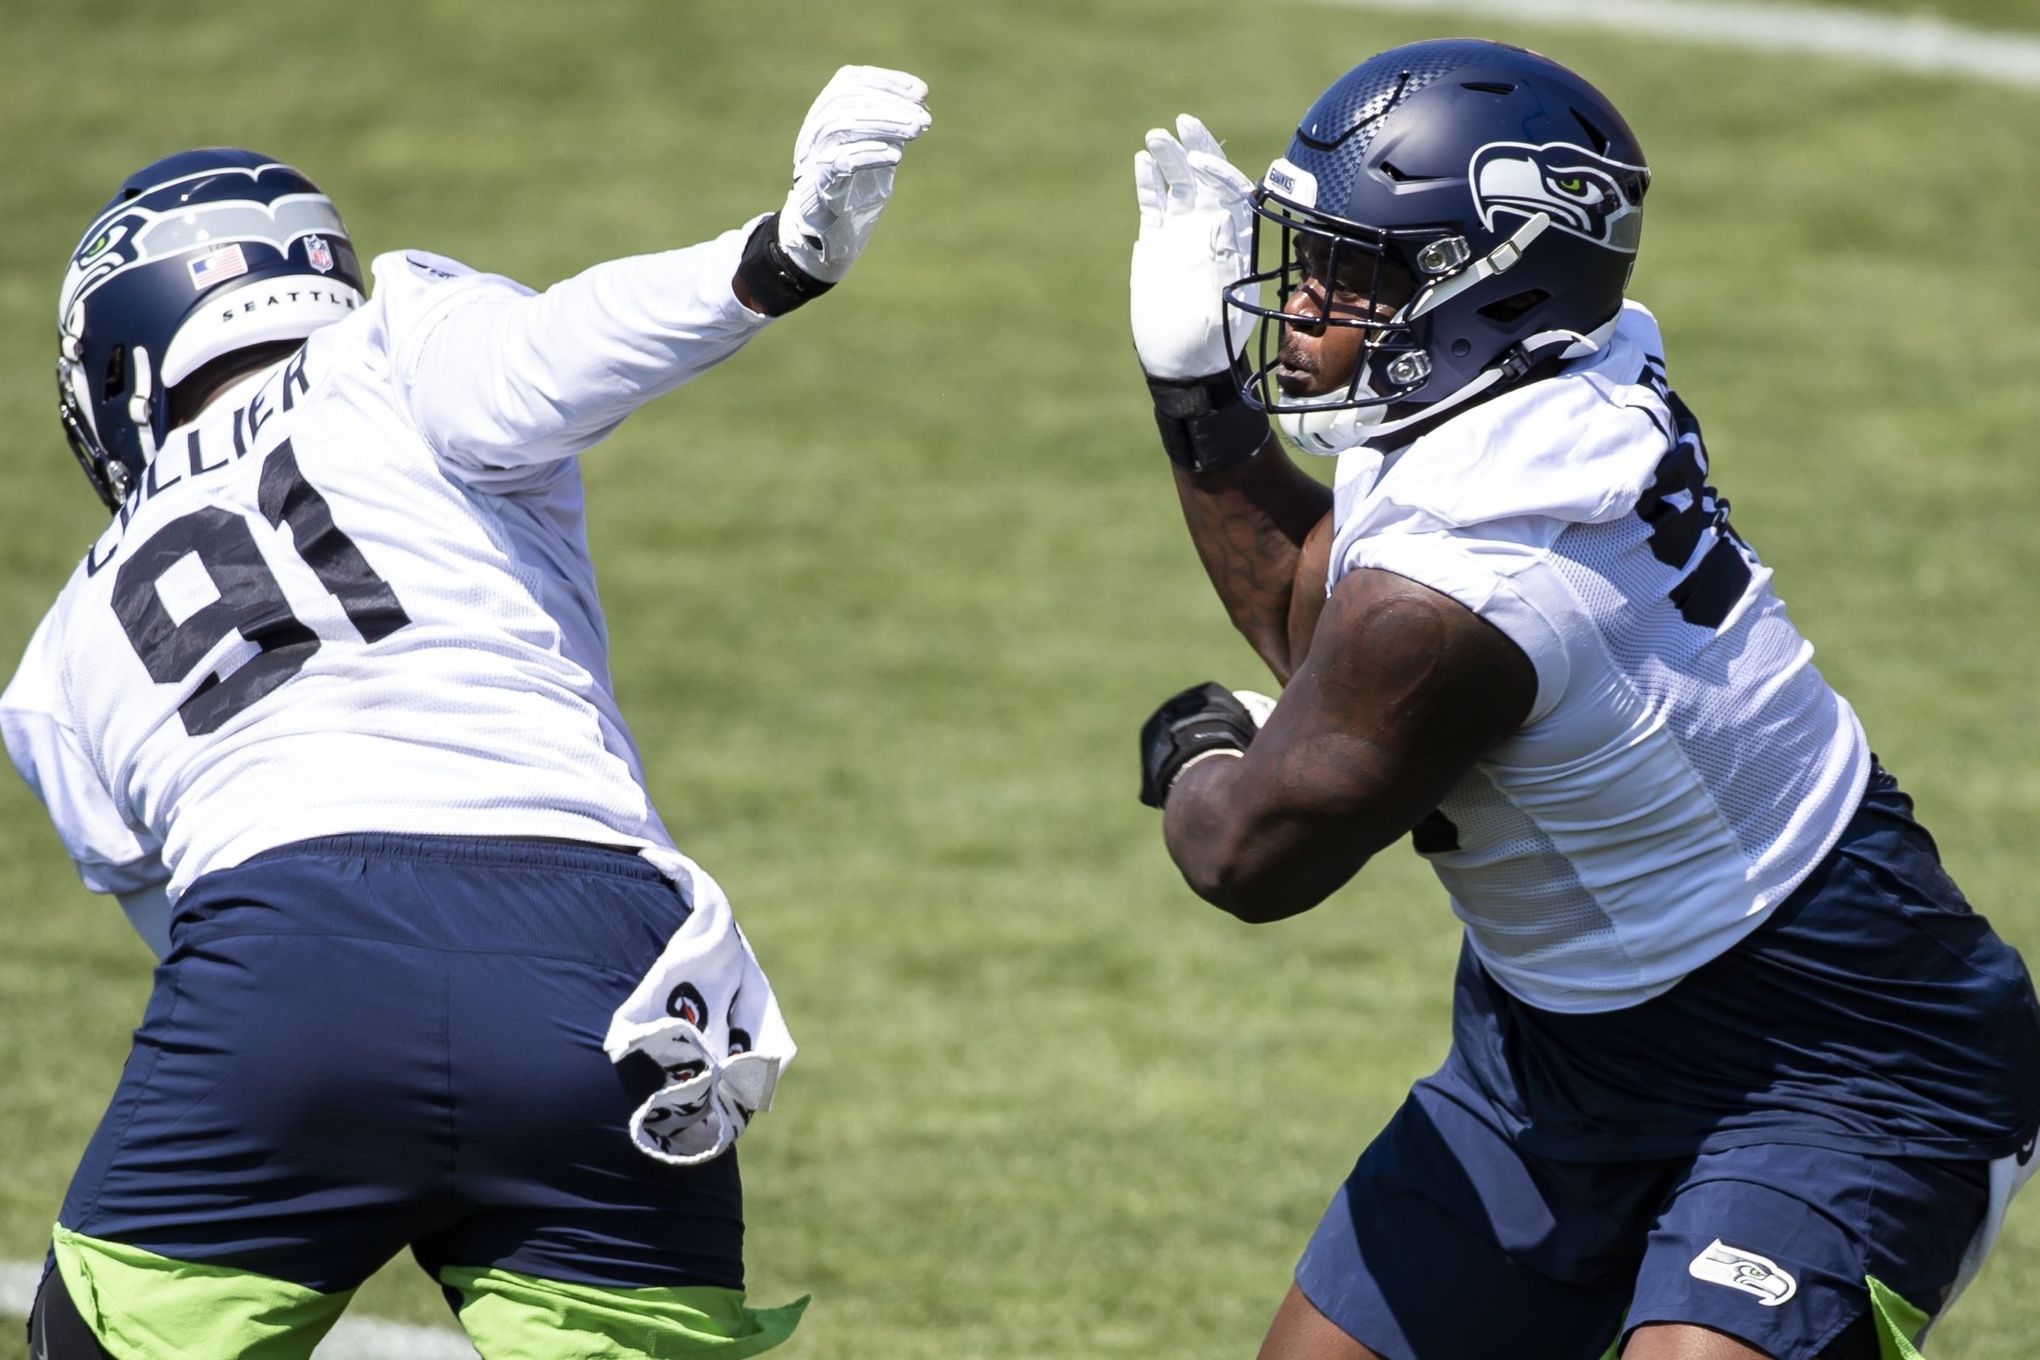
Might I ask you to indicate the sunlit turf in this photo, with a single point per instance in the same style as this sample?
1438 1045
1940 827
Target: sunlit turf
892 593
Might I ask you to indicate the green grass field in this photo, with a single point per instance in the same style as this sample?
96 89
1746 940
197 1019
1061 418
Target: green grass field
892 592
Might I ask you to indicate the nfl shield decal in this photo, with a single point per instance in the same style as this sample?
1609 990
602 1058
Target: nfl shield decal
1744 1270
319 254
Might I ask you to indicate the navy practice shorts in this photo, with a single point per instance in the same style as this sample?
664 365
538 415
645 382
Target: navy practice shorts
1873 1011
1449 1243
362 1043
1815 1109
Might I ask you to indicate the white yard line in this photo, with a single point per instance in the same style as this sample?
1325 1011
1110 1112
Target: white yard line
1914 43
17 1287
352 1339
365 1338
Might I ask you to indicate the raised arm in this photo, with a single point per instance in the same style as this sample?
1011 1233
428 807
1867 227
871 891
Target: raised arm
504 378
1249 509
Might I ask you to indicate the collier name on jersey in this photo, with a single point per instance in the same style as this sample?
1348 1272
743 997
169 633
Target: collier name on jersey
356 595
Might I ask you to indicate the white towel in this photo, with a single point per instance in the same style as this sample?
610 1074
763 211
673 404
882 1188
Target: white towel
706 1015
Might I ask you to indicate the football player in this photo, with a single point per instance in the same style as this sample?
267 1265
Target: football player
327 706
1735 1072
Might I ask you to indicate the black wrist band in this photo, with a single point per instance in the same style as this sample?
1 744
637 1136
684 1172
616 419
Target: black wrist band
1205 422
778 284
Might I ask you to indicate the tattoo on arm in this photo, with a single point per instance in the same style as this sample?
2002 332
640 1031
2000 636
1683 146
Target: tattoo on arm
1249 524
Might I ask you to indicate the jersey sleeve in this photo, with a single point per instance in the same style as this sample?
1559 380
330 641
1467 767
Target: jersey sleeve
1487 574
111 855
1473 508
502 381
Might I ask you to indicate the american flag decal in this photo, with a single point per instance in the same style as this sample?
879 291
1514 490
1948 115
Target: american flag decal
222 263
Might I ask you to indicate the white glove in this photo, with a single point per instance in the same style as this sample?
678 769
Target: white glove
843 165
1196 237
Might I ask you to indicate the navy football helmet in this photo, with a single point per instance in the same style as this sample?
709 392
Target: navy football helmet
198 256
1474 207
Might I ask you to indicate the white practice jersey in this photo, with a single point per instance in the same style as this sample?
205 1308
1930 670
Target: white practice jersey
1684 765
355 595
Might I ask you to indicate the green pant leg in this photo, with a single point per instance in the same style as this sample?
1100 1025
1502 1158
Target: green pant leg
521 1317
1898 1322
143 1306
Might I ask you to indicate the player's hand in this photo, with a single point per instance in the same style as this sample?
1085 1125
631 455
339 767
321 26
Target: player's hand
843 164
1202 722
1196 236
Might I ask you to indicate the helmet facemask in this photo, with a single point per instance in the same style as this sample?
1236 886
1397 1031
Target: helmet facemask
1384 283
1328 274
110 476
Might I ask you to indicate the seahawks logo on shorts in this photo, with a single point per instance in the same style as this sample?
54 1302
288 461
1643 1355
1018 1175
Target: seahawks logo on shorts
1585 194
1744 1270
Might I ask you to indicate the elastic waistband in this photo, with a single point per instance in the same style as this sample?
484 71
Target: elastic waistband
536 852
604 904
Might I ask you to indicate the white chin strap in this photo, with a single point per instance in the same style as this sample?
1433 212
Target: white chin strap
1329 433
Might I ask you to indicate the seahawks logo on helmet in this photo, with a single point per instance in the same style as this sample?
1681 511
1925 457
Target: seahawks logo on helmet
157 225
101 257
1585 194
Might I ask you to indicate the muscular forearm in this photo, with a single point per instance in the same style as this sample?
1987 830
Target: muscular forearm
1252 861
1249 524
1403 691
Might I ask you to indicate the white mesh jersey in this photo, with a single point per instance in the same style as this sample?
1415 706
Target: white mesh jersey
1684 765
355 594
